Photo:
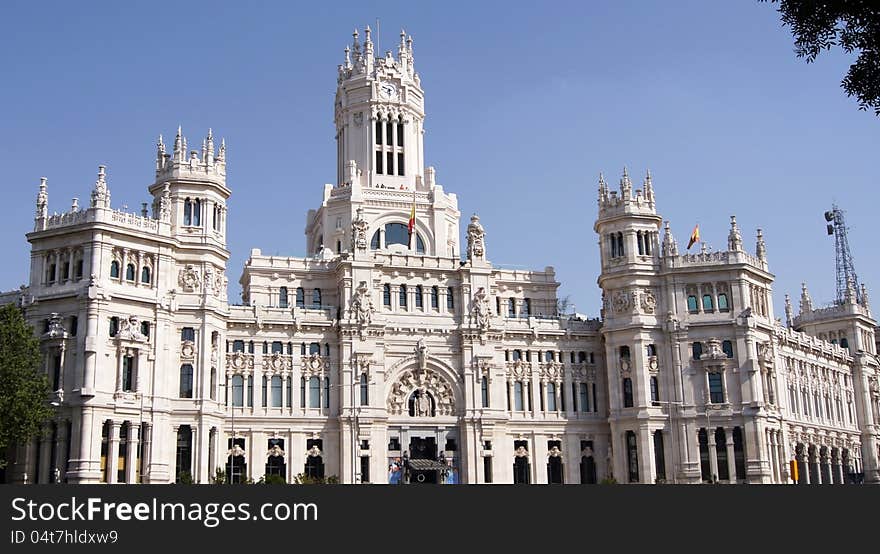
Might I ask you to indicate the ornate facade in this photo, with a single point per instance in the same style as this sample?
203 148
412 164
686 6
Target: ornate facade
383 349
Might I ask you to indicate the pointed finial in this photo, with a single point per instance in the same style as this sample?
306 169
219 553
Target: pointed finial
74 204
42 200
210 134
734 238
806 302
101 193
670 246
761 248
789 312
367 35
865 303
347 57
625 185
221 154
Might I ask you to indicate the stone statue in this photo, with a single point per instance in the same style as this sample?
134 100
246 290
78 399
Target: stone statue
475 234
359 231
362 305
480 309
165 203
423 403
422 353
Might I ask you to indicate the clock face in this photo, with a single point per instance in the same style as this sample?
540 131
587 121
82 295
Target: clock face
388 90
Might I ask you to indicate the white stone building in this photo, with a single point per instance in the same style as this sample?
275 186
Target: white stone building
384 347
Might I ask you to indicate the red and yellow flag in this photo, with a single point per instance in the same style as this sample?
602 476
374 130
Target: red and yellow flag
695 236
412 215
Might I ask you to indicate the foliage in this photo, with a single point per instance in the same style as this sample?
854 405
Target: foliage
184 478
219 477
303 479
272 480
24 388
854 25
608 481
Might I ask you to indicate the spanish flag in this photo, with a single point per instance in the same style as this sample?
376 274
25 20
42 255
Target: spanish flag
412 216
695 236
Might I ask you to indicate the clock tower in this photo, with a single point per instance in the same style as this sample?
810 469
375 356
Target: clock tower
379 112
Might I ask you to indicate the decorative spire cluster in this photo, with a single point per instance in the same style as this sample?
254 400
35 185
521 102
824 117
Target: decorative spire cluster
643 197
806 302
670 247
179 159
359 58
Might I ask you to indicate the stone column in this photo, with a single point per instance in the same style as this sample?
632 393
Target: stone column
45 454
146 437
113 452
774 460
61 441
731 461
713 454
120 354
131 465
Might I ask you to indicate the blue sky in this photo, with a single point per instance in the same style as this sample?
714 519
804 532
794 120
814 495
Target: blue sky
526 104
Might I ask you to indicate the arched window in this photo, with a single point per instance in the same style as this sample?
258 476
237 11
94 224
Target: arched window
582 357
402 299
435 297
727 348
652 350
374 242
517 355
276 391
723 305
511 308
314 392
548 356
114 326
707 303
627 392
300 297
282 297
697 350
386 295
197 213
484 390
692 304
551 397
527 307
624 352
315 348
316 298
521 466
621 251
397 233
400 133
187 212
277 347
145 275
844 343
655 389
145 329
186 381
129 272
450 299
640 239
419 294
114 269
379 134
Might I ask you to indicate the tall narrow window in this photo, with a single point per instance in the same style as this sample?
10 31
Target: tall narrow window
527 307
511 308
721 454
632 454
145 275
402 299
484 390
655 389
551 397
185 381
276 391
640 239
78 270
114 269
716 388
612 240
707 303
705 467
727 348
378 132
237 390
128 374
187 212
723 305
450 299
692 304
386 295
316 299
419 294
435 297
300 297
739 455
129 272
197 213
621 251
314 392
400 163
627 393
365 390
389 132
282 297
379 159
400 133
659 457
114 326
697 350
584 393
518 396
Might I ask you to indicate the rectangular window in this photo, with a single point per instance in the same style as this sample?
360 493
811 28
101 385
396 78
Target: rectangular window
484 386
378 132
276 391
585 397
716 388
314 392
450 299
189 334
487 469
518 396
237 390
400 163
128 373
390 163
379 159
627 393
400 135
551 397
692 304
389 133
365 469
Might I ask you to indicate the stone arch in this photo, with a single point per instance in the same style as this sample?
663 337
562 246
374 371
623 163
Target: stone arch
438 379
401 216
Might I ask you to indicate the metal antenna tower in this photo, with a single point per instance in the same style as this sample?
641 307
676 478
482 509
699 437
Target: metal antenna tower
847 281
